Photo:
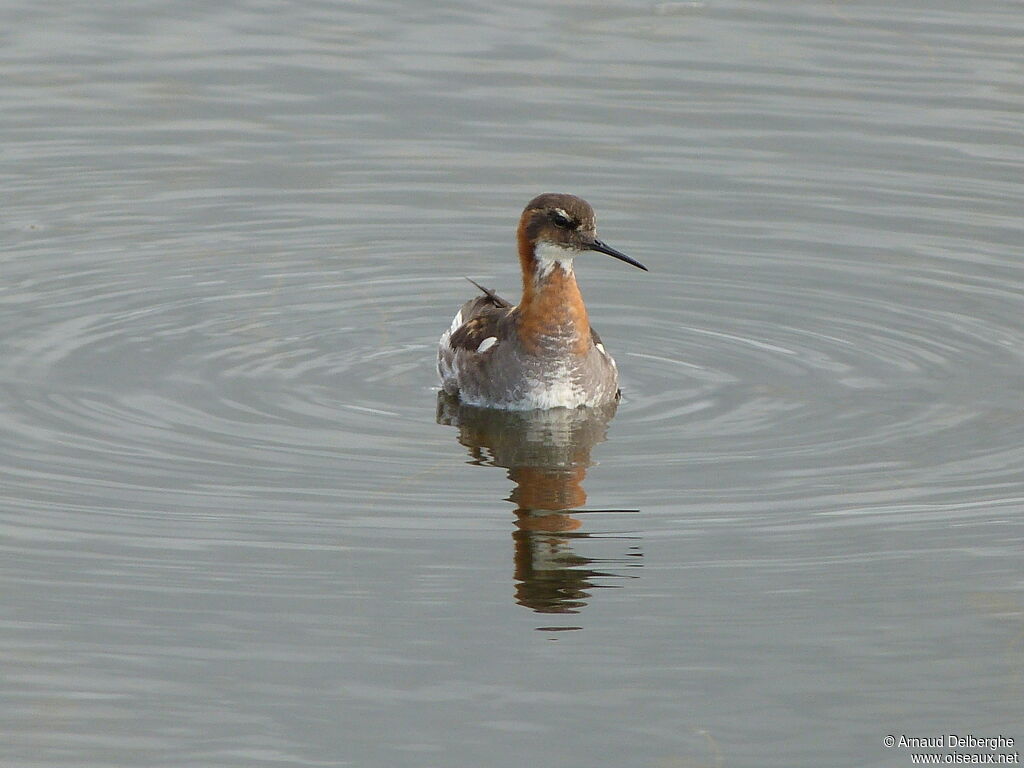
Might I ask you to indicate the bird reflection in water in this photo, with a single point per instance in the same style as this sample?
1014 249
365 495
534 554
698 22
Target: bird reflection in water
547 454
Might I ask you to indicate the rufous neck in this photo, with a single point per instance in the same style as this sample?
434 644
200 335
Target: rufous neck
527 259
551 310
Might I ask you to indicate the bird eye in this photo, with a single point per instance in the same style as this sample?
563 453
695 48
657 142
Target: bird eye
560 220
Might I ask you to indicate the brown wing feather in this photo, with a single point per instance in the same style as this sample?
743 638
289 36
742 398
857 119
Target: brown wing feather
482 317
481 325
483 314
494 298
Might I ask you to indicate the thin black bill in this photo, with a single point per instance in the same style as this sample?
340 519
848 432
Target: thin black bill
600 247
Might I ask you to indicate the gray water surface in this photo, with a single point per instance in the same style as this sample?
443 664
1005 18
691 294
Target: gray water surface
237 526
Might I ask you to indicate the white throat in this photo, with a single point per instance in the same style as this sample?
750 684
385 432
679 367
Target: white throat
551 255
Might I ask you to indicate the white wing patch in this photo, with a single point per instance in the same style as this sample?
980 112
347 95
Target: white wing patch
487 343
456 322
609 358
445 341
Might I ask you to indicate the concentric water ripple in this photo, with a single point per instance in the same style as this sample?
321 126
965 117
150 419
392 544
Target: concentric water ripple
167 397
174 395
847 391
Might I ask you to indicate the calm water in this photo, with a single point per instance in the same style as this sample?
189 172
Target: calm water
237 527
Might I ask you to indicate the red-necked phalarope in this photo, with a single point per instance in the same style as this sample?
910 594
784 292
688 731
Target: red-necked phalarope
541 353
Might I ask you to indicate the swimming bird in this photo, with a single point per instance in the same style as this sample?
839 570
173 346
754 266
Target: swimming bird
541 353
